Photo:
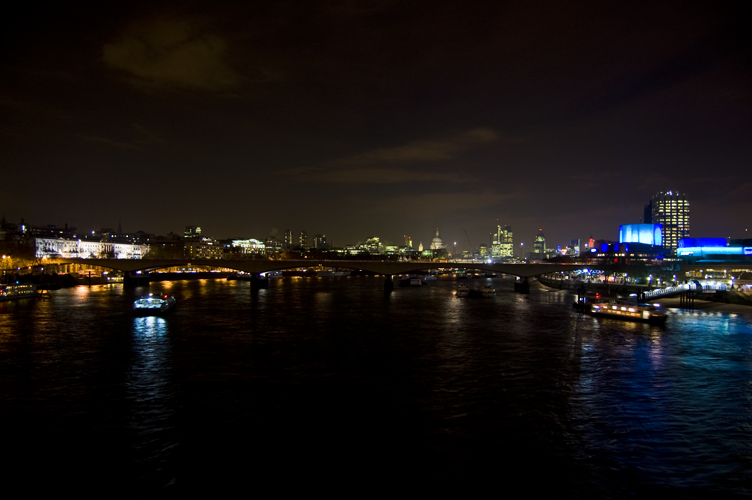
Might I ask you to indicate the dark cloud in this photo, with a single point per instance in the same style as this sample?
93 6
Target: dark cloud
172 52
375 166
428 204
381 117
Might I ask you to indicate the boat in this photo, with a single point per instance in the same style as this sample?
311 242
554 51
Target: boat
151 305
411 281
595 305
17 291
487 291
462 290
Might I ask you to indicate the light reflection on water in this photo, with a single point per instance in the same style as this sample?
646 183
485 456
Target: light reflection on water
152 390
336 373
673 403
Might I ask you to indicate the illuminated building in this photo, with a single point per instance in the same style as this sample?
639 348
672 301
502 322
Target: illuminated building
624 253
249 246
204 248
288 240
192 233
574 245
647 234
372 245
714 250
87 249
502 244
303 239
671 210
437 243
539 245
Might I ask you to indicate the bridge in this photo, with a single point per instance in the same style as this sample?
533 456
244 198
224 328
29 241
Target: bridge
387 268
692 287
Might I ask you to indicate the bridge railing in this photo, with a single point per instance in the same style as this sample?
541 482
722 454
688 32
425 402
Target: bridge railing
684 287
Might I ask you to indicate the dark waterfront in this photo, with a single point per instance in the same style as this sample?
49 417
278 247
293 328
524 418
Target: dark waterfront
329 385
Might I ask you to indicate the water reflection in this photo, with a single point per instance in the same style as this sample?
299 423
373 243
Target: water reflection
664 401
152 391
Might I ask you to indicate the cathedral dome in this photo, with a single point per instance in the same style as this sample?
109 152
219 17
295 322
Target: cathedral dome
437 243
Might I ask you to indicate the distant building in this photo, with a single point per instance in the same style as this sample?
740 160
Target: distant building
303 242
67 248
539 245
372 246
671 210
273 246
713 250
192 233
437 243
502 243
573 249
204 248
625 253
319 242
647 234
287 242
245 247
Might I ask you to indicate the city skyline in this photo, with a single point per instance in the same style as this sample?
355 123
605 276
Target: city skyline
384 120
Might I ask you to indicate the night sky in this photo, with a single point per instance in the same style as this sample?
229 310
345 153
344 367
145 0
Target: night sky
383 118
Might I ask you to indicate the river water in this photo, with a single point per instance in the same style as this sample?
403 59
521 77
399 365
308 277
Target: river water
329 385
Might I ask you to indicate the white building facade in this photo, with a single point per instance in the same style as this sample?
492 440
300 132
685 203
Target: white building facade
87 249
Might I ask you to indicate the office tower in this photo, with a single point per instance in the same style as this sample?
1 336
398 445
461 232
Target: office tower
303 239
192 233
671 209
287 242
539 245
502 245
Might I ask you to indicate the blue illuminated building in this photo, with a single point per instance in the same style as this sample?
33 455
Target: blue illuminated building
699 250
647 234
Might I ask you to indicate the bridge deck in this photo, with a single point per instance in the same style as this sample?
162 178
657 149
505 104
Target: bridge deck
377 267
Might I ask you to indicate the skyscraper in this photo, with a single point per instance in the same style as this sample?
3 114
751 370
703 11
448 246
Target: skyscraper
502 245
672 210
539 245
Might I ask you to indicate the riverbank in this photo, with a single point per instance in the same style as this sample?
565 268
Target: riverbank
730 302
708 306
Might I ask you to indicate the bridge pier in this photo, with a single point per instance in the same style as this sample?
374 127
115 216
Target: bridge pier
687 300
257 282
388 284
522 286
131 279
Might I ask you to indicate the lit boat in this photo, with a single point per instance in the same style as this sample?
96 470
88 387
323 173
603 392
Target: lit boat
462 290
151 305
621 309
17 291
487 291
